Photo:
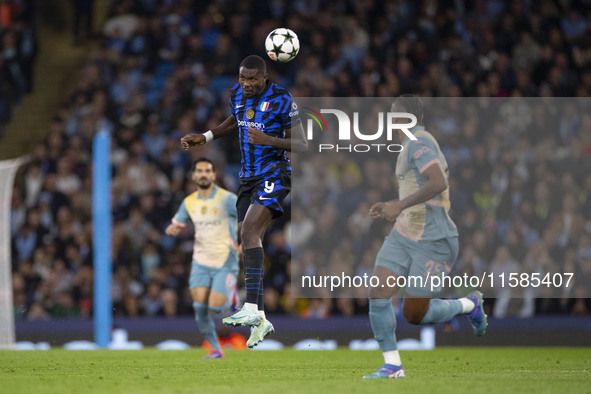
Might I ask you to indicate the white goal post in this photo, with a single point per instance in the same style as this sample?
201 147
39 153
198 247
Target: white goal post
8 169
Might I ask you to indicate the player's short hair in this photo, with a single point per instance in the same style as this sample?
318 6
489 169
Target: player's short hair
410 103
254 62
202 160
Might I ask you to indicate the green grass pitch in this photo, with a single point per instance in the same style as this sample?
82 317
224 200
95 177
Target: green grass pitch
444 370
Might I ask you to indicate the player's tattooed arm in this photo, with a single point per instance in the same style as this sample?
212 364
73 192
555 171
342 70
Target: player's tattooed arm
294 139
193 139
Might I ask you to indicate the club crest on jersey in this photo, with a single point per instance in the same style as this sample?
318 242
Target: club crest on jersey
203 210
264 106
250 113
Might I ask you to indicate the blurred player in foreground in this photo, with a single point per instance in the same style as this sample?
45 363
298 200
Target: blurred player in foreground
423 243
214 269
268 126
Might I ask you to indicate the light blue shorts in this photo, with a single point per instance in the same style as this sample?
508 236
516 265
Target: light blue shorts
221 280
412 259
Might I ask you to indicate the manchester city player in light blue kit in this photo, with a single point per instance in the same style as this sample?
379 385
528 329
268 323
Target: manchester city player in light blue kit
268 125
214 269
423 243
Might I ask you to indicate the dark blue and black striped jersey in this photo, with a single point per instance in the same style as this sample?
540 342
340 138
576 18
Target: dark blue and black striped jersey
271 112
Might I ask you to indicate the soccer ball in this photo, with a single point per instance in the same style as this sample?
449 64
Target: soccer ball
282 45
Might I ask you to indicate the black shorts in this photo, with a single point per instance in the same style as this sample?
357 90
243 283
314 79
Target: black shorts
269 191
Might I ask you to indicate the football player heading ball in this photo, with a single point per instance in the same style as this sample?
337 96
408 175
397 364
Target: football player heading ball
268 126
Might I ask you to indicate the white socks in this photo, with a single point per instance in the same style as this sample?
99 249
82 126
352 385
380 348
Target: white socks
392 357
467 305
254 308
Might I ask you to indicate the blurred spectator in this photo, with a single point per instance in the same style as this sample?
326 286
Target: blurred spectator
125 292
169 303
37 313
152 301
25 243
503 265
65 307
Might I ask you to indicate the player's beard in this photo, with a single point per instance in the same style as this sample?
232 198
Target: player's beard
203 186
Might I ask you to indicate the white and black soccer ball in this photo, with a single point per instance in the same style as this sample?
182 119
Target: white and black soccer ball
282 45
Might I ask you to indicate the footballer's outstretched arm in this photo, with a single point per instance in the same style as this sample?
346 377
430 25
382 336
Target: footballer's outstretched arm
294 140
192 139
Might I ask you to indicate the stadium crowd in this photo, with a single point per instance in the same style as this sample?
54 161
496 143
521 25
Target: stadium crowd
164 68
18 50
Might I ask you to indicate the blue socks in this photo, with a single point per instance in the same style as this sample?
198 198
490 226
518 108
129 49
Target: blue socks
383 323
253 274
206 325
441 311
261 300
